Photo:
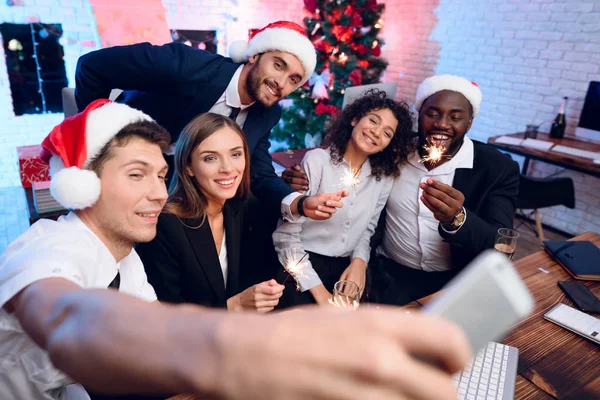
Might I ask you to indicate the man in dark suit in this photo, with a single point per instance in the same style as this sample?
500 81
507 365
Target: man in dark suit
174 83
443 211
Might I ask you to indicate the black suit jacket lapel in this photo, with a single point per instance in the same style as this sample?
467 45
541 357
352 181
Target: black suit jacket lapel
203 244
254 124
233 231
463 182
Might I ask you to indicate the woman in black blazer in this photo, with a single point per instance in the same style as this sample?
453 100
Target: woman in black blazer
195 256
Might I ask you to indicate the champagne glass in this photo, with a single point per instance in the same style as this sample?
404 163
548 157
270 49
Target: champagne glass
346 294
506 242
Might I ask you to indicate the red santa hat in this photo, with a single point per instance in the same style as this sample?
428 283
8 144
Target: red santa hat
73 143
280 36
437 83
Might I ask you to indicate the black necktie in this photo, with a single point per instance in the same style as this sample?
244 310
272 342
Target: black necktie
116 283
234 113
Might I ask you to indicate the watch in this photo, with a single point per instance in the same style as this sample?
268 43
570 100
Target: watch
458 220
300 206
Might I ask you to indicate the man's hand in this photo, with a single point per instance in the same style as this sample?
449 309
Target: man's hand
295 178
321 295
356 272
304 355
443 200
321 206
262 297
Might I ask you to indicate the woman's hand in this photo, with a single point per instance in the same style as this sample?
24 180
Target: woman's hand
356 272
262 297
321 295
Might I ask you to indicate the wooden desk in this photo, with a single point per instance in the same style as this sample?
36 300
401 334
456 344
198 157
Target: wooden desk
580 164
553 362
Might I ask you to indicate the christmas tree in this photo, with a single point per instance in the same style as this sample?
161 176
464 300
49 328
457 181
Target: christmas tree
345 35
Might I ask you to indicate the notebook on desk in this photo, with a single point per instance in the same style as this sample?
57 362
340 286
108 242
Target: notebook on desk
579 258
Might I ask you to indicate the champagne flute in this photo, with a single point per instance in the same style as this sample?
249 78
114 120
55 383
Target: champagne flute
346 294
506 242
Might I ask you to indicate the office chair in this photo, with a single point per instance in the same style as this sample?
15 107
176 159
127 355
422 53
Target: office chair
69 104
536 193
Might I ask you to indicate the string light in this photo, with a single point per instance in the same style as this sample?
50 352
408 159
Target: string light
38 69
343 58
375 43
317 26
379 24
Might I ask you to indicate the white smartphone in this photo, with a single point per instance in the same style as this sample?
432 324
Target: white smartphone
486 299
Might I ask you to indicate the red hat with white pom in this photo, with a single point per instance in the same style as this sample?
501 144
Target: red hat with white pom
73 143
454 83
278 36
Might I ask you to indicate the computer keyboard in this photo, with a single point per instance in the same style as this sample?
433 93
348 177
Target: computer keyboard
491 375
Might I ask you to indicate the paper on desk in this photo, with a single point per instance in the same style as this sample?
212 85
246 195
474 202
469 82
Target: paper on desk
509 140
537 144
576 152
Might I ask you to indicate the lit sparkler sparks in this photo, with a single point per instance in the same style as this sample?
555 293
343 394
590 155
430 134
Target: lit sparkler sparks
344 302
295 269
349 179
434 154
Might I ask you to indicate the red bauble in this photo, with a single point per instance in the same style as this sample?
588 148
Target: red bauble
355 77
321 109
310 5
377 51
361 49
371 5
357 20
364 64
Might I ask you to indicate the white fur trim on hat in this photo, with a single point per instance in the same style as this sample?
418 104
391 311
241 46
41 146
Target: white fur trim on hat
288 40
105 122
238 50
437 83
76 188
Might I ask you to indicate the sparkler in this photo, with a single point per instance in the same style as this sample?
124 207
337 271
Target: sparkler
295 269
349 179
435 153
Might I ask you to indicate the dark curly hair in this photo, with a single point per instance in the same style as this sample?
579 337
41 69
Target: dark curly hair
388 161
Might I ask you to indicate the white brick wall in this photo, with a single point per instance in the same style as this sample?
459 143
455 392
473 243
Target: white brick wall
79 37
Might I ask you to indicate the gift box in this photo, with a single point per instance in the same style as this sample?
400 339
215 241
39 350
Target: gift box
31 166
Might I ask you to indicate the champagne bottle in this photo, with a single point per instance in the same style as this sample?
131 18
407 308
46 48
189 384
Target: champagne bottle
560 122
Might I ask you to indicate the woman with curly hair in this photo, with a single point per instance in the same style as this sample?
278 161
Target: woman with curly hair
367 143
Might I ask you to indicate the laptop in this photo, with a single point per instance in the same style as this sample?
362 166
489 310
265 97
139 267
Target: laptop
354 92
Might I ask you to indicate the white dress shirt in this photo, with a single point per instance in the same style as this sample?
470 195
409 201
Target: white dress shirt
223 258
348 232
230 99
411 236
67 249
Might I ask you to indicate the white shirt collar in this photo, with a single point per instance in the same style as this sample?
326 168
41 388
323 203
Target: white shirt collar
232 96
365 169
462 159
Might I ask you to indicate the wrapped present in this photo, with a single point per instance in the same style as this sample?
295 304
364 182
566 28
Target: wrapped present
31 166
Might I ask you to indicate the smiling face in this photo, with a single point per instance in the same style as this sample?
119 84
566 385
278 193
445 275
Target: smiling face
444 120
217 164
374 131
133 193
273 76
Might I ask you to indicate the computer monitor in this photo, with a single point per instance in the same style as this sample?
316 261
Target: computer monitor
354 92
589 121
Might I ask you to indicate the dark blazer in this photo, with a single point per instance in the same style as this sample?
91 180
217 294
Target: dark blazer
490 189
174 83
182 263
